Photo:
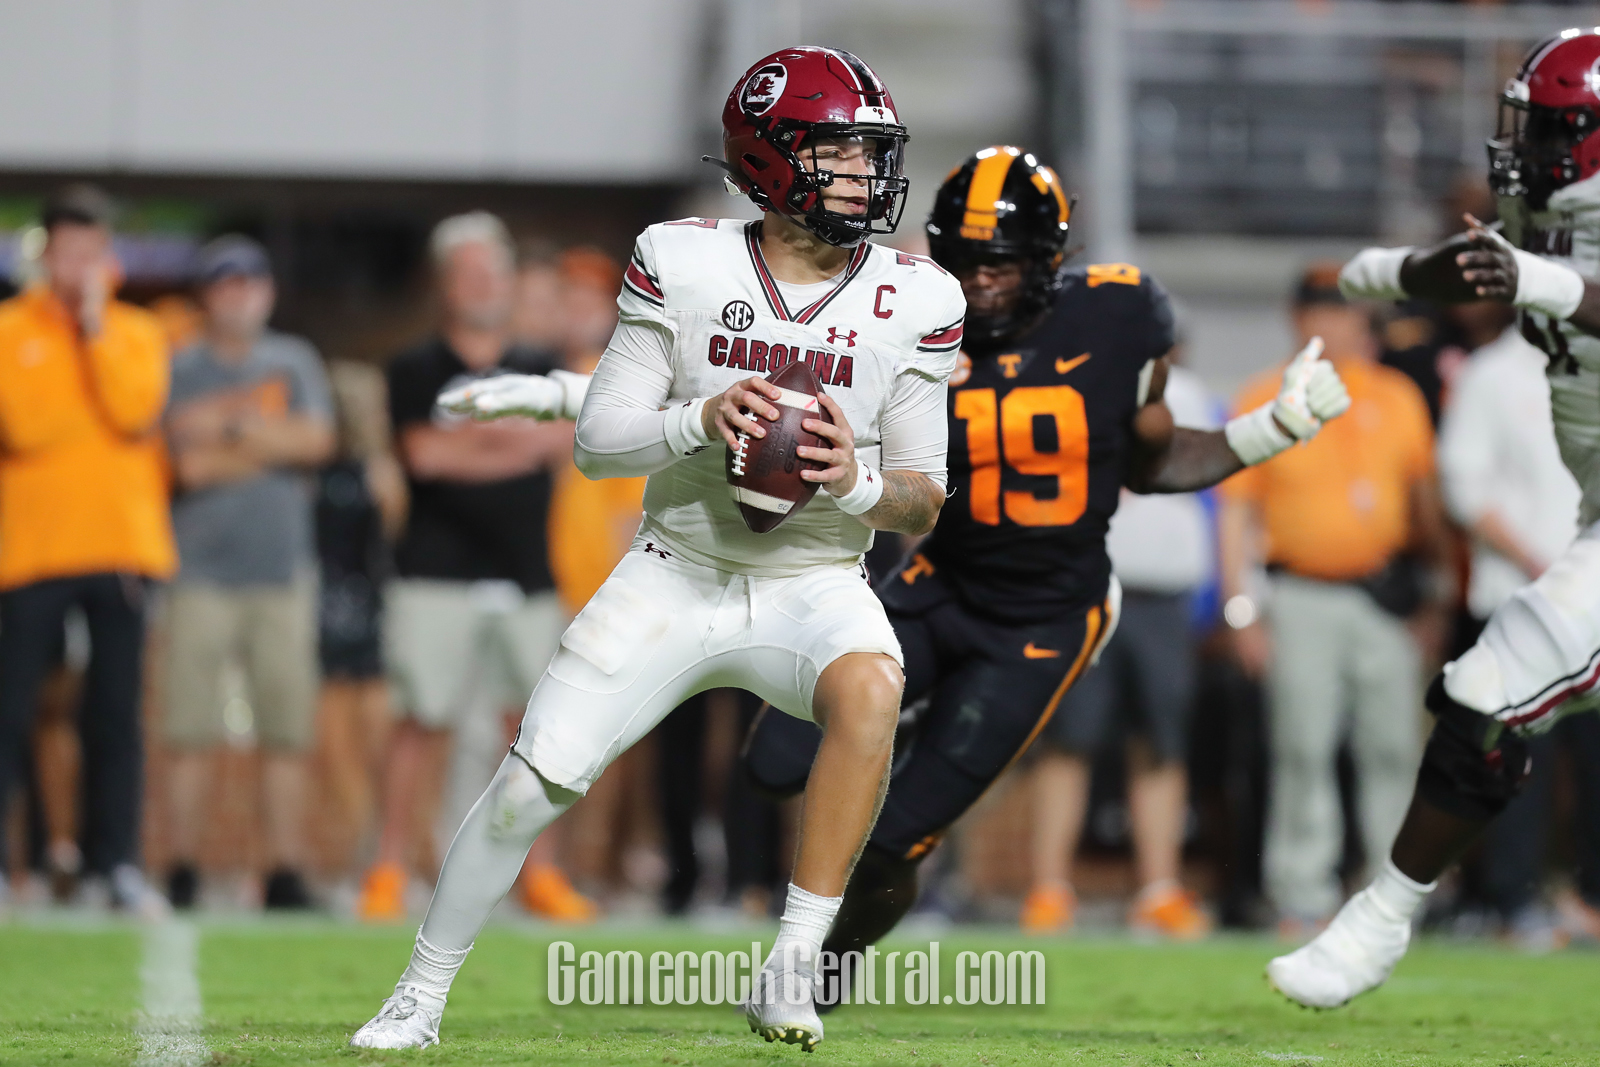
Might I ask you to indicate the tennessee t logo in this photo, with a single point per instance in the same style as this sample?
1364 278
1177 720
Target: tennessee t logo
1009 363
1064 365
1031 651
919 567
849 336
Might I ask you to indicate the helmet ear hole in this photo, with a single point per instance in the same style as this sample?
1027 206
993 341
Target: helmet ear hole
754 162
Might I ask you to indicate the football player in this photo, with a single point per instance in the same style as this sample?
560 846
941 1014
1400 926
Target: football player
1539 655
1054 406
708 308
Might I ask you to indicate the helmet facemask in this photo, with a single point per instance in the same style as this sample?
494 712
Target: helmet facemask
825 157
1042 277
1534 150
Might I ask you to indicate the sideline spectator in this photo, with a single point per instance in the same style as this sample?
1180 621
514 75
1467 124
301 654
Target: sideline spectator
472 618
361 505
1338 517
83 518
1162 549
1504 482
250 415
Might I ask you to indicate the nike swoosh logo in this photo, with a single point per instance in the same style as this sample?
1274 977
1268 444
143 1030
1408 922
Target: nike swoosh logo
1032 652
1064 365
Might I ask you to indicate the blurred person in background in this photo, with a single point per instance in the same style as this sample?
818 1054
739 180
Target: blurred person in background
1163 548
249 418
1504 482
1351 530
360 509
472 617
83 518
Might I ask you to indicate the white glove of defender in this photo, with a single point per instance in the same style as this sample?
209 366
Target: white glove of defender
1311 394
558 395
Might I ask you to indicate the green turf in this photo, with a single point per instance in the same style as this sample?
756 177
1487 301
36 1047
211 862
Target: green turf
68 997
279 994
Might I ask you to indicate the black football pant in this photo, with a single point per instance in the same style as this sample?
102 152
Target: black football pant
977 692
31 618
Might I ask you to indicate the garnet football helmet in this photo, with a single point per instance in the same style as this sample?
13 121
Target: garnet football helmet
776 116
1549 118
1003 204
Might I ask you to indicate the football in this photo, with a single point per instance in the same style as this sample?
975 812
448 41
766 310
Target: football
764 473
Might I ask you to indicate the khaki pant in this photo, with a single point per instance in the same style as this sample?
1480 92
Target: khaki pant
448 645
1342 667
270 632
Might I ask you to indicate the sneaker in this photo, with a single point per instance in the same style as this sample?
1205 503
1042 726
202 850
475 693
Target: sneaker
1170 912
383 894
183 885
286 890
409 1019
783 1007
1354 954
1049 910
547 894
1580 920
132 894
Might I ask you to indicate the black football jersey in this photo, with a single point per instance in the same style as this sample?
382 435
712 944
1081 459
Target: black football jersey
1040 440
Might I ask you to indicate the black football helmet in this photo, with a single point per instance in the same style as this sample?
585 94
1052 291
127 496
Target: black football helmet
1003 204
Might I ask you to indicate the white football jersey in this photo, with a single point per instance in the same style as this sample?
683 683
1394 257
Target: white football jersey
891 325
1567 231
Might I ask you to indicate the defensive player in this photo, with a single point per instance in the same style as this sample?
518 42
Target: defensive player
708 308
1539 655
1055 405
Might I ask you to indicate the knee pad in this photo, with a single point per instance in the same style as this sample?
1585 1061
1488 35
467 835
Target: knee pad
1472 766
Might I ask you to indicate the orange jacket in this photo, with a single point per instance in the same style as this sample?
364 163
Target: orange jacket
82 484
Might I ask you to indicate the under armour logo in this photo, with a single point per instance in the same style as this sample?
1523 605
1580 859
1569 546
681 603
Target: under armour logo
834 336
650 546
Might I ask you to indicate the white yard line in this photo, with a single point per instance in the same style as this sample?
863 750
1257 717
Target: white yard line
169 1027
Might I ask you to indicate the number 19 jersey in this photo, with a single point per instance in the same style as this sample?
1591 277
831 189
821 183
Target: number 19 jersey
1040 442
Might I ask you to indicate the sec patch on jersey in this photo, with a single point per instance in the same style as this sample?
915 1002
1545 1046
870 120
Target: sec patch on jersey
764 473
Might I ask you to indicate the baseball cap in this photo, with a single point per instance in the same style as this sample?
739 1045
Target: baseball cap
79 202
231 255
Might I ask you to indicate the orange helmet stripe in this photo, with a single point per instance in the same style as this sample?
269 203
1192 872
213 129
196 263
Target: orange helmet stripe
988 178
1047 180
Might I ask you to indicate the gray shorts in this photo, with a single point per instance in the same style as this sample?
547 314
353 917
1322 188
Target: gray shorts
451 645
1146 677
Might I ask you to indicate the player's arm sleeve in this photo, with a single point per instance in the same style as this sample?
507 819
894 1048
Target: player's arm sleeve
626 428
916 431
935 356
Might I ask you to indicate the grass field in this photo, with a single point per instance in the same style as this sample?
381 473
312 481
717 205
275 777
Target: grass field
292 993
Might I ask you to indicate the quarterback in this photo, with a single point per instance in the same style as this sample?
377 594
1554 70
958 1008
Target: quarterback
1539 655
708 308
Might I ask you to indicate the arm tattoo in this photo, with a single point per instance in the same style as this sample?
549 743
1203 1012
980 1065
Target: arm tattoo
1194 459
910 503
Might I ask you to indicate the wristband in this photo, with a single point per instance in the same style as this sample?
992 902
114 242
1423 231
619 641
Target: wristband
686 432
865 496
1374 274
1545 285
1255 437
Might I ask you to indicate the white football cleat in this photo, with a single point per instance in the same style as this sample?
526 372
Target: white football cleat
409 1019
1354 954
783 1007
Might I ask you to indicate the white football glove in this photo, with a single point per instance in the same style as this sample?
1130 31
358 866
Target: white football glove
558 395
1311 394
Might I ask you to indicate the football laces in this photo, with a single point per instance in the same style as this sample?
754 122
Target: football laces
738 454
